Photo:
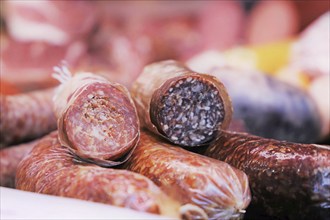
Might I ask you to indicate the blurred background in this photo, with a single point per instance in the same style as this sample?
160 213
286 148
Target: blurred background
273 56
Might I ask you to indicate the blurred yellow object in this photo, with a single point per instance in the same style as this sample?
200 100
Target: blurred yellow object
268 58
272 57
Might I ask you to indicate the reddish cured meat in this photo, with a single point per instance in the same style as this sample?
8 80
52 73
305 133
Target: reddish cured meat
97 119
28 65
26 116
7 88
288 180
271 21
50 168
219 189
220 24
55 22
183 106
9 160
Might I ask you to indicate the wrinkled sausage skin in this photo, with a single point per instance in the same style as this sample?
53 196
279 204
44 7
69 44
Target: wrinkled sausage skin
185 107
51 169
219 189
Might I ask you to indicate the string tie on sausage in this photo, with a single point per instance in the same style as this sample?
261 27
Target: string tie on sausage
62 73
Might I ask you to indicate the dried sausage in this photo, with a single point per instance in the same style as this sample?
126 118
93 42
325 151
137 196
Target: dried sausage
185 107
51 168
9 160
26 116
287 180
219 189
97 119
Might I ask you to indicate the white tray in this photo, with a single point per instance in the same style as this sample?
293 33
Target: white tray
16 204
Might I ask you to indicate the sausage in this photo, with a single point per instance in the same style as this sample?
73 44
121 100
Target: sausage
264 105
217 188
51 168
26 116
185 107
273 109
97 119
9 160
288 180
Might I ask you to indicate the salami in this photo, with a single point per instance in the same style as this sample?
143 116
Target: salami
185 107
219 189
288 180
26 116
97 119
50 168
9 160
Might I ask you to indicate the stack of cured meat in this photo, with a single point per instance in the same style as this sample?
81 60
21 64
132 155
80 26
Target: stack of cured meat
185 109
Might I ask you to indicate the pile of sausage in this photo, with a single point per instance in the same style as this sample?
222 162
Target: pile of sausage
161 147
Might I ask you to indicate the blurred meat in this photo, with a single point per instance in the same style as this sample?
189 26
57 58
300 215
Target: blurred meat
41 34
118 38
124 45
29 65
155 30
174 37
54 22
116 55
115 38
271 21
221 24
7 88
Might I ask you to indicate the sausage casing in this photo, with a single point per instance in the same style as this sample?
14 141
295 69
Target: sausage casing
219 189
9 160
50 168
26 116
287 180
185 107
97 119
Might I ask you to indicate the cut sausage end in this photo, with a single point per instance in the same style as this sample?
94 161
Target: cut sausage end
191 111
102 123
